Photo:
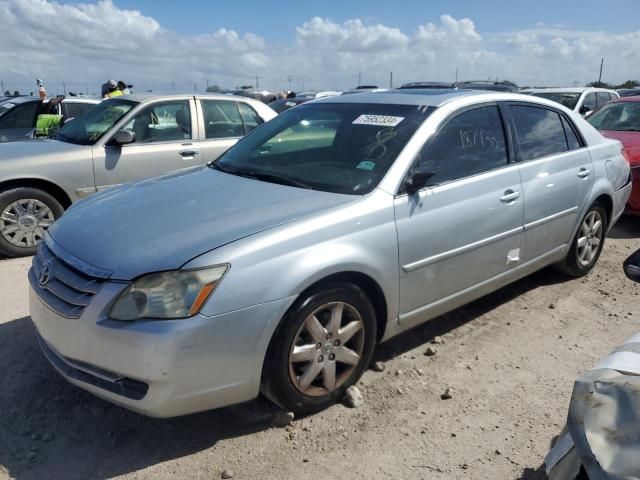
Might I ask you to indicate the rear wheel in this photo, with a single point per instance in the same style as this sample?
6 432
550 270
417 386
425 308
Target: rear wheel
587 243
322 347
25 215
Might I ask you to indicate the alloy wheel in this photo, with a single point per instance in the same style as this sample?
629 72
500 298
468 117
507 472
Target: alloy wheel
590 237
327 348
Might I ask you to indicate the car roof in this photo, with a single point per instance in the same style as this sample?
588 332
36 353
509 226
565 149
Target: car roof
20 99
566 90
147 96
432 97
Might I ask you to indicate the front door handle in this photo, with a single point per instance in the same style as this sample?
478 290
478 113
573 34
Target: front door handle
189 153
584 172
509 196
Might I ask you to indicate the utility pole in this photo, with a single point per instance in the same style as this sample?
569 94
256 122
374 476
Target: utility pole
289 80
390 79
195 87
207 85
257 84
456 74
64 88
3 90
601 65
359 78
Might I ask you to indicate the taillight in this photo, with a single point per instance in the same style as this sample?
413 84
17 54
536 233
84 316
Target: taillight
625 155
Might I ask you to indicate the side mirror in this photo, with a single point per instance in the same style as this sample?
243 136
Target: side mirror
632 267
584 110
417 179
123 137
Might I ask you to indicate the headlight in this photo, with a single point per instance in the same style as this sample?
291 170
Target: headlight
167 295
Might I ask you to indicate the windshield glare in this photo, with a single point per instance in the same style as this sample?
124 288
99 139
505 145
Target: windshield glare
619 116
88 127
333 147
567 99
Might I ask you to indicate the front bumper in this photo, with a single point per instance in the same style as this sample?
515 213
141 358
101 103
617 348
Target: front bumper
160 368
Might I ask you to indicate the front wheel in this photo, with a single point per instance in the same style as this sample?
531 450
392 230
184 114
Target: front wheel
322 347
587 243
25 214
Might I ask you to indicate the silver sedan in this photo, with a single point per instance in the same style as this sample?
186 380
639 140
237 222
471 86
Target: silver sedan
334 226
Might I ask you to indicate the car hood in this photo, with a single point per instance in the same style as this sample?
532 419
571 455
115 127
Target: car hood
162 223
33 148
630 141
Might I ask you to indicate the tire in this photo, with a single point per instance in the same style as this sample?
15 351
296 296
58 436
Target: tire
25 214
577 264
286 375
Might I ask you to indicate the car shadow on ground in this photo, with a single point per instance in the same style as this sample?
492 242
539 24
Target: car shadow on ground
51 429
626 227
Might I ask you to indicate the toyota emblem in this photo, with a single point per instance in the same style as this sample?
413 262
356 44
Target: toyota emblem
45 274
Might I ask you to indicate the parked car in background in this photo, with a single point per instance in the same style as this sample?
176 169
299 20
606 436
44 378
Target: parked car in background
582 100
265 96
120 140
495 86
629 92
19 115
620 120
321 94
284 104
336 225
427 85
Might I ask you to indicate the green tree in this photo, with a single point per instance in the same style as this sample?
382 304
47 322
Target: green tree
213 88
629 84
597 84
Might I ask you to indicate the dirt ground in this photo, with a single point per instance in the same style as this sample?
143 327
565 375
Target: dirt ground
509 359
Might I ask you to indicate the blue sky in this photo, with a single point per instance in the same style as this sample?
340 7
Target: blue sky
156 44
277 20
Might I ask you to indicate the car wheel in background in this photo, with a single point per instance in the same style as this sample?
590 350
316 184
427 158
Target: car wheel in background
25 215
587 243
321 348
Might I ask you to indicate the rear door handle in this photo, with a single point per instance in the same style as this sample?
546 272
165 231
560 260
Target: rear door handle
584 172
509 196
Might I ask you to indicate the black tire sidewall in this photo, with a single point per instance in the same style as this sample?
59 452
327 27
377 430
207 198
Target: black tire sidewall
9 196
279 386
573 265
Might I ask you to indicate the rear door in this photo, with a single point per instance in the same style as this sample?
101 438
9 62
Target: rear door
466 228
221 126
164 141
556 173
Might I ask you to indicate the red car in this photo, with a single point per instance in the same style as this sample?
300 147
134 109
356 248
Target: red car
620 119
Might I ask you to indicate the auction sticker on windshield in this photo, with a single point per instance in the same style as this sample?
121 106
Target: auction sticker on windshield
378 120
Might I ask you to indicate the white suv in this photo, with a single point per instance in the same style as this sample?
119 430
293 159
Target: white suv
581 100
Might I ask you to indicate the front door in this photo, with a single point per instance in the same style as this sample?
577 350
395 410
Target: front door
164 141
465 230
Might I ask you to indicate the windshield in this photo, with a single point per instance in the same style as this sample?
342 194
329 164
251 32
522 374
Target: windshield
88 127
333 147
617 117
567 99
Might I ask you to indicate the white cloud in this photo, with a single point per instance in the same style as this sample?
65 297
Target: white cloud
84 44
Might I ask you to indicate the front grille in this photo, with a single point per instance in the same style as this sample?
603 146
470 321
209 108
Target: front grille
67 291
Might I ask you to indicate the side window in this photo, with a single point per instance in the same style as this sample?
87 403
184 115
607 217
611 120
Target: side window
602 97
21 116
470 143
249 116
162 122
590 101
221 119
75 109
572 138
539 132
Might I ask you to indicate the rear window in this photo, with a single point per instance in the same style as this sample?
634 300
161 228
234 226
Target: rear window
539 132
567 99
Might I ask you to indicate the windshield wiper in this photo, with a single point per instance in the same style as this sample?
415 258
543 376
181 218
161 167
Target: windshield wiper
261 175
